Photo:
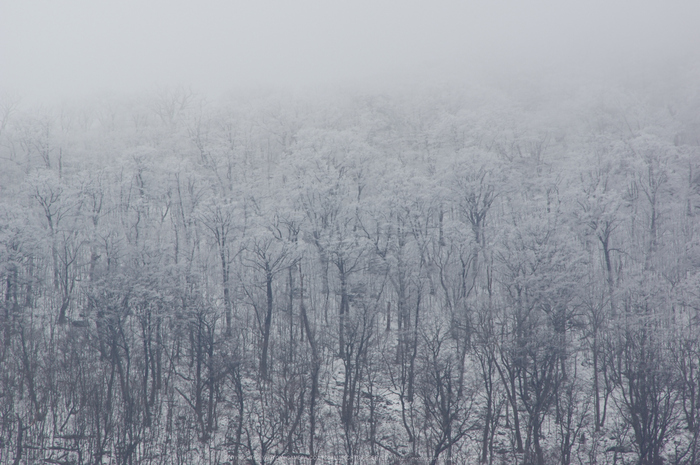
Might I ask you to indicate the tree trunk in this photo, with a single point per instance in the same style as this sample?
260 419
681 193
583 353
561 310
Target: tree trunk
267 324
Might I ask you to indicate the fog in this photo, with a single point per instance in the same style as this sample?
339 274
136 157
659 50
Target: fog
52 50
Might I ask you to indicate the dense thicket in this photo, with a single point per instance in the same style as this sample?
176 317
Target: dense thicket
504 275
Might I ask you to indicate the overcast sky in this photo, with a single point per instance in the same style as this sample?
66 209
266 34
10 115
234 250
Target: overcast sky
52 49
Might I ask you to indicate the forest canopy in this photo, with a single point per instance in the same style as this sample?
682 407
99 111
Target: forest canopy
502 273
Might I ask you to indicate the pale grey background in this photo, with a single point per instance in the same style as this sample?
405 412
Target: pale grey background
54 49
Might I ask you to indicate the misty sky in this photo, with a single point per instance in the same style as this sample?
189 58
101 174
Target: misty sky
51 49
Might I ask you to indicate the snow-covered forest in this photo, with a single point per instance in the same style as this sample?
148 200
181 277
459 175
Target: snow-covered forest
497 274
